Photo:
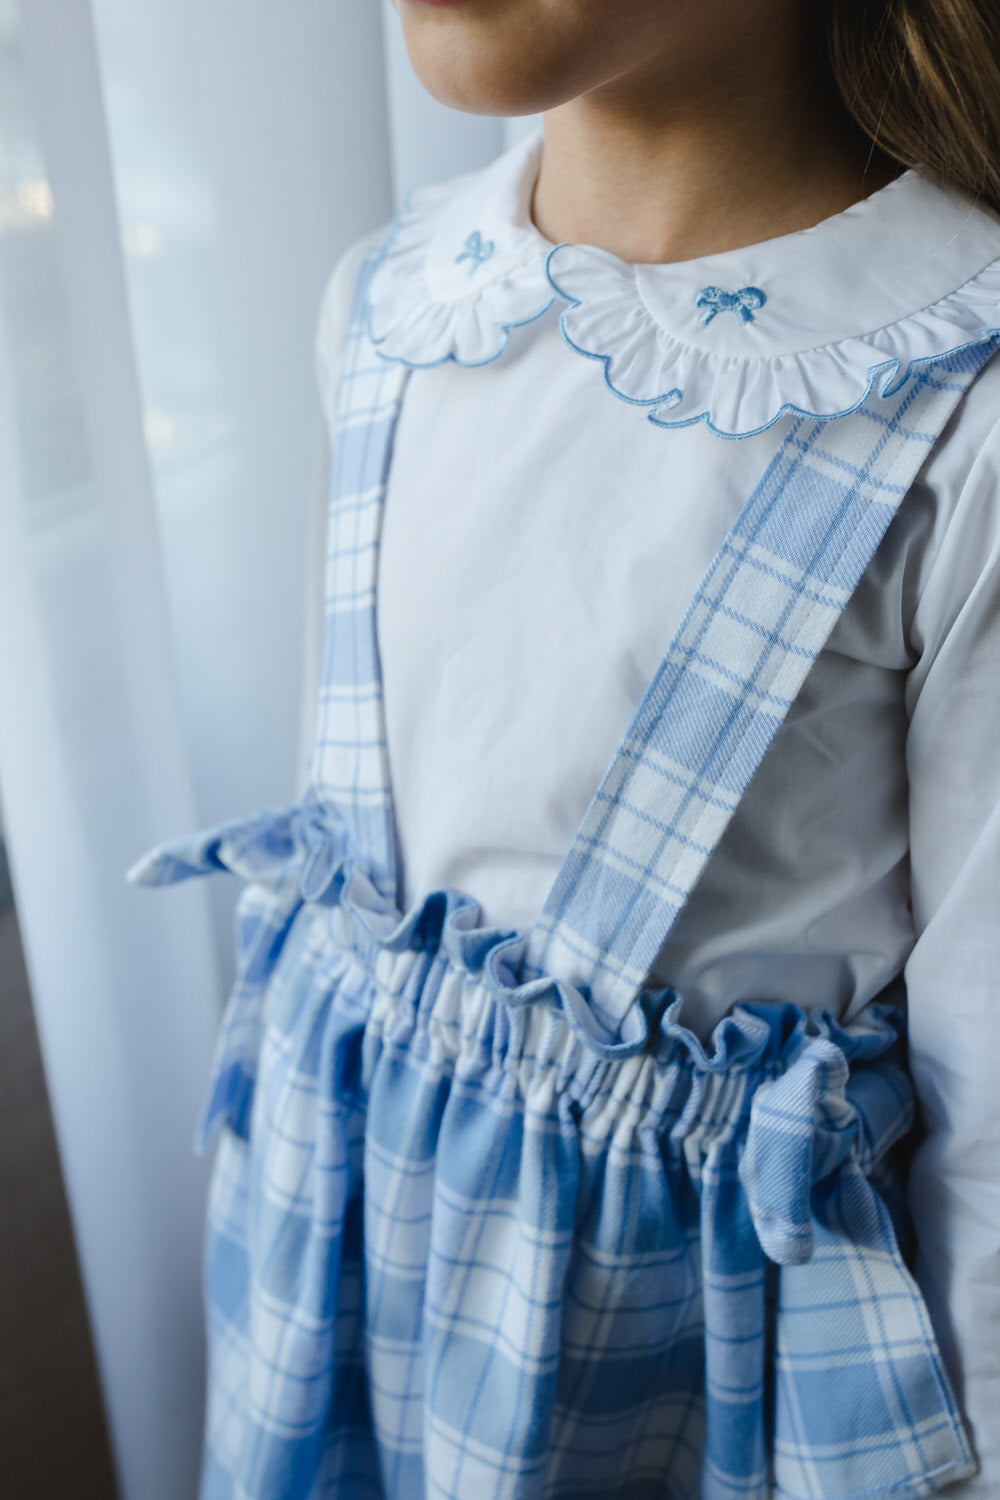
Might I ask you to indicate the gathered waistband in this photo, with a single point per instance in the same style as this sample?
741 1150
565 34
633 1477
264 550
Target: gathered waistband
801 1093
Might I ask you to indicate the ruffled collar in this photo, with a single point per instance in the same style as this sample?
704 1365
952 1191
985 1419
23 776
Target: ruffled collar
463 265
810 322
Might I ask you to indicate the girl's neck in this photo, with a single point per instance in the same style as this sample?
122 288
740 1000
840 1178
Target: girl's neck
668 169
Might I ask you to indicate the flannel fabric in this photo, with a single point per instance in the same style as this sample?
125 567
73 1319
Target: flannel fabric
488 1222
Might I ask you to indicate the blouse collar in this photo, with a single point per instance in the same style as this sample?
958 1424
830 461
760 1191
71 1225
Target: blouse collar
463 265
809 322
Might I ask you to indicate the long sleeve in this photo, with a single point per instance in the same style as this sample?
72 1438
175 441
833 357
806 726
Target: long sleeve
953 974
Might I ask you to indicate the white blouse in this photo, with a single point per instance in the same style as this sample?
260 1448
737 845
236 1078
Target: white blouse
576 440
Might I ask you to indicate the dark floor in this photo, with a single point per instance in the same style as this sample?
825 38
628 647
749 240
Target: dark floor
53 1442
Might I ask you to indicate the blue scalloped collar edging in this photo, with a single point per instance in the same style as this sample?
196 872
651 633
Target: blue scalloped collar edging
451 356
671 398
885 377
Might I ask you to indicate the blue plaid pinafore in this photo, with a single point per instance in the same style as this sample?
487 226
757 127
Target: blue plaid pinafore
487 1221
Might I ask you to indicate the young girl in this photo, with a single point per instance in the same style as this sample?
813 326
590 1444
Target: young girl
565 1079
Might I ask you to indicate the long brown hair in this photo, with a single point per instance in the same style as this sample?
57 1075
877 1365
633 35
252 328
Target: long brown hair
922 79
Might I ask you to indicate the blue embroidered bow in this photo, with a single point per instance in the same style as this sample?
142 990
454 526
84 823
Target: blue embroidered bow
475 251
714 299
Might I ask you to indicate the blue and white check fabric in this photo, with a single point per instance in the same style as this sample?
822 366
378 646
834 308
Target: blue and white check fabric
487 1221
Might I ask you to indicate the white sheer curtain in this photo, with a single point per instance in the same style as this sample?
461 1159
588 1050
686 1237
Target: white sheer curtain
176 181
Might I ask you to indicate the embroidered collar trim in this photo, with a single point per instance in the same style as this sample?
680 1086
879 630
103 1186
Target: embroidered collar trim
810 322
463 265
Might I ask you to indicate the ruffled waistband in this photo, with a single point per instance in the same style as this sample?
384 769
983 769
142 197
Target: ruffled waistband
305 851
805 1093
802 1092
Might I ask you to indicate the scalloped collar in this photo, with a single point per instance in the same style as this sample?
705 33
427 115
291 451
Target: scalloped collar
463 264
809 322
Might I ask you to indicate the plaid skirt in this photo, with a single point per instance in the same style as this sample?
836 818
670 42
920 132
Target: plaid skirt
458 1250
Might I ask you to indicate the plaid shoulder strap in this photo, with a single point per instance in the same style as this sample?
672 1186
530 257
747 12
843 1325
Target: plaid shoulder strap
754 628
350 767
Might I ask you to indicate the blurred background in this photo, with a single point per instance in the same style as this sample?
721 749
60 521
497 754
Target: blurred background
176 183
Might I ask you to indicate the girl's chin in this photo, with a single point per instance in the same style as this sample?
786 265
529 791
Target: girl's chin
515 57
